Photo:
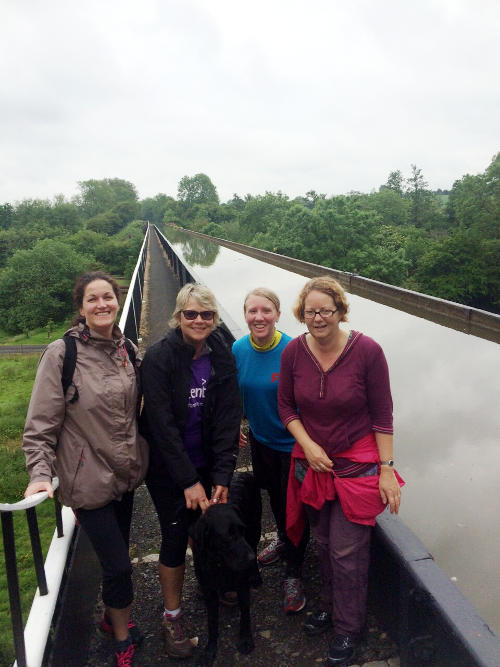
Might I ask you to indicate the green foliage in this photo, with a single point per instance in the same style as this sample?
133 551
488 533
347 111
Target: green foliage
463 268
36 336
6 216
99 196
404 234
154 209
197 189
36 285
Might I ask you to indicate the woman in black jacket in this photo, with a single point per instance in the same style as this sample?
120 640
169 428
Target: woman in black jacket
191 417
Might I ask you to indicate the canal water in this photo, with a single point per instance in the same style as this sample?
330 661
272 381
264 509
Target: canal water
446 393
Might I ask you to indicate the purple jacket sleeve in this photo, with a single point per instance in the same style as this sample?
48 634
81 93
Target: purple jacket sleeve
286 400
378 389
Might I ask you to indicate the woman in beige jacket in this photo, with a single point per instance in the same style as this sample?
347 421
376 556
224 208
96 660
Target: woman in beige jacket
92 444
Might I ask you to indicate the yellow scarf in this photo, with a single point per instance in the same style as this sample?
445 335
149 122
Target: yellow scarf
275 340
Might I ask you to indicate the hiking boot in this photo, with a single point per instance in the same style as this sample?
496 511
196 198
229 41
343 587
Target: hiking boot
177 643
318 622
105 630
342 650
294 600
124 652
272 553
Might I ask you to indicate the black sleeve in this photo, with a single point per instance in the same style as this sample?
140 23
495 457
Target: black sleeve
226 425
161 424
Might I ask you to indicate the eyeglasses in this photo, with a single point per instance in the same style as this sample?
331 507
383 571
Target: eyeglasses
206 315
325 313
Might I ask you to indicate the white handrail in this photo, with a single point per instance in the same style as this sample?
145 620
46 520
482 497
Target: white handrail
39 621
30 501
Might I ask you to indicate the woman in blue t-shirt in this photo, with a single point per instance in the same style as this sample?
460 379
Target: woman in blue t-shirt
258 358
191 418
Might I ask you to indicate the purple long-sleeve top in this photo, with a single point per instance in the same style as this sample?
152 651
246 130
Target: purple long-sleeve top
339 406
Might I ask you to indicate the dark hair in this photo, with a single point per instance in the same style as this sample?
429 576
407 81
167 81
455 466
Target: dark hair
81 284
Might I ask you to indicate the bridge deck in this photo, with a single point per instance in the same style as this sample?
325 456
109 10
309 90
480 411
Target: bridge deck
279 639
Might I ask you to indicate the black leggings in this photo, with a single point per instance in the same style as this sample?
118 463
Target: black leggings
108 529
174 517
270 469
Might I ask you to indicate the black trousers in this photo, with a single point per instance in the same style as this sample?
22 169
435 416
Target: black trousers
173 515
108 529
270 469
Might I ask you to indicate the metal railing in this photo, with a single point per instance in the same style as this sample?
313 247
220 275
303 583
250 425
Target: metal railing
132 308
30 644
48 580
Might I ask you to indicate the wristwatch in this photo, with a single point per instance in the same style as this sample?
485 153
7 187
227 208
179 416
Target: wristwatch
389 463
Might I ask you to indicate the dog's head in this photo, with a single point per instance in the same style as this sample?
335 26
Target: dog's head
218 535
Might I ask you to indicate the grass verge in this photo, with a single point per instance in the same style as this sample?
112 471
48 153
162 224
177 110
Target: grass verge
40 336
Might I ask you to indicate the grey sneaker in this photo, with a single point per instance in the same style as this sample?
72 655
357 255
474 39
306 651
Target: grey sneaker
272 553
295 599
177 642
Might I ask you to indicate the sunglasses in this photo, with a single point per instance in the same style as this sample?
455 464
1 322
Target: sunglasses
206 315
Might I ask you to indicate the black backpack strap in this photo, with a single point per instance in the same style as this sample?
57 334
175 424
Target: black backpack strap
130 351
69 365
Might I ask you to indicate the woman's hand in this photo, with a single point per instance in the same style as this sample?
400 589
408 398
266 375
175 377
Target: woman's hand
317 458
220 495
196 497
243 439
36 487
389 488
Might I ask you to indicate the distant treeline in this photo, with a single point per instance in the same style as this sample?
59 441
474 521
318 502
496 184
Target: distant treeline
44 245
444 243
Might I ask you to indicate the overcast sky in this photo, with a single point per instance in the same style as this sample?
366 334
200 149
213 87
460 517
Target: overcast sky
287 95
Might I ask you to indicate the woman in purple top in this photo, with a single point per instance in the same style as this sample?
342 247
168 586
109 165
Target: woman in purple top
334 397
191 418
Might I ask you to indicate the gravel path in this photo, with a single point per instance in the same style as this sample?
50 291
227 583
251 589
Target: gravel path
279 639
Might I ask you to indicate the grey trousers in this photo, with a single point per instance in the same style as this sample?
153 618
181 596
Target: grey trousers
344 557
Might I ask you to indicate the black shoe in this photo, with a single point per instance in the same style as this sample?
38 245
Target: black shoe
317 623
342 650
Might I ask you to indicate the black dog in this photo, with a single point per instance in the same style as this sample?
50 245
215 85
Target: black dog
225 541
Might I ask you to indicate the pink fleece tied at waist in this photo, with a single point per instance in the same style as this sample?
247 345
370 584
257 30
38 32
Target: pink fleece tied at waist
359 496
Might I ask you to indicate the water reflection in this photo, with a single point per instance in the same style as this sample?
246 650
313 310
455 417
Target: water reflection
445 387
197 251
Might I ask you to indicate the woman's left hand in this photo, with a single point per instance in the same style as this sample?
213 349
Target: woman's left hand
219 495
390 491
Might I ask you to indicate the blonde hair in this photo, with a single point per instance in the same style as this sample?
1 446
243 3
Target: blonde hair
267 294
328 286
194 291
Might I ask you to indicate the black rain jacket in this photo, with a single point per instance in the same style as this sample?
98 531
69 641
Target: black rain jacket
166 380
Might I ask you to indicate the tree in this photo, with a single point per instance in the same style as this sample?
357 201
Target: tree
99 196
105 223
425 209
36 285
395 182
392 207
463 268
154 208
474 202
197 189
6 216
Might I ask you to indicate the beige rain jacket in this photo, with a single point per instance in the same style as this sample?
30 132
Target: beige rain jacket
92 445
